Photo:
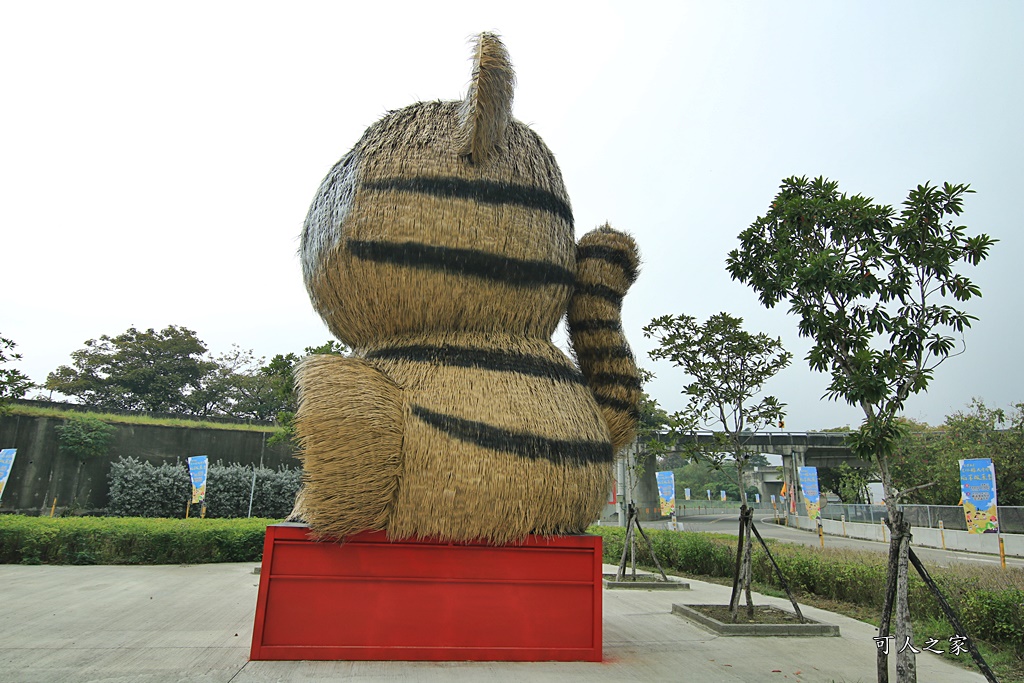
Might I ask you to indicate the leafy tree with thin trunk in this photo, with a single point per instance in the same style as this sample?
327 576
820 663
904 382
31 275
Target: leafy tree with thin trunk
13 382
878 293
729 366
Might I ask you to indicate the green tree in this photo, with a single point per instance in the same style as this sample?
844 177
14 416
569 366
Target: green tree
240 385
729 366
13 382
84 437
874 292
136 370
979 432
849 483
281 371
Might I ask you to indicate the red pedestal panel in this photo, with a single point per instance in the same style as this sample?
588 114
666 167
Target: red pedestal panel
370 598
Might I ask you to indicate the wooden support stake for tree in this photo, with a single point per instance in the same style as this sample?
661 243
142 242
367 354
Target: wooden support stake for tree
621 573
778 571
650 546
631 521
954 620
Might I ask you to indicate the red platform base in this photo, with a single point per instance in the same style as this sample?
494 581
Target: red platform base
372 599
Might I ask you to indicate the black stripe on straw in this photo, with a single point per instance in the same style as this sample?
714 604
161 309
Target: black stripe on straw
523 444
595 326
484 359
617 379
483 191
614 256
601 292
603 353
471 262
617 404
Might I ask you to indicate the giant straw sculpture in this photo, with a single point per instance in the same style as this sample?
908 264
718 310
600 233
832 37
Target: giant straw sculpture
441 250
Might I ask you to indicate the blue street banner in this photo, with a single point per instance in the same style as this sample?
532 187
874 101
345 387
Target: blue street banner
6 463
709 494
757 498
809 486
666 492
687 492
978 488
197 471
723 495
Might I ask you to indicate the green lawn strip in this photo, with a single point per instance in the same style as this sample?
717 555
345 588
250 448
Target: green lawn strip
115 418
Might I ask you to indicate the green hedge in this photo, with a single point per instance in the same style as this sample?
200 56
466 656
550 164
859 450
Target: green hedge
994 612
109 540
140 489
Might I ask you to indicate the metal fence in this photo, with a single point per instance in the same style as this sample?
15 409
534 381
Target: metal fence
1011 519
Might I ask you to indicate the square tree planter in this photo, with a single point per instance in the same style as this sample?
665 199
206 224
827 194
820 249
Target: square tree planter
810 628
369 598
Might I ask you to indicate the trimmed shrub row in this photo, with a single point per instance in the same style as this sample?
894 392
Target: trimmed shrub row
140 489
995 613
108 540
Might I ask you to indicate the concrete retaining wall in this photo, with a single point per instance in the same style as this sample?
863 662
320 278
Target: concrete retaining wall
42 472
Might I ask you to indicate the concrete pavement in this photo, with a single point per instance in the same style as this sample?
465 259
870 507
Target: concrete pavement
172 623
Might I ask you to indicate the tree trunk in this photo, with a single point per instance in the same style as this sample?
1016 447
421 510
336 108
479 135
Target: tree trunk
737 580
906 660
882 653
743 573
748 570
906 663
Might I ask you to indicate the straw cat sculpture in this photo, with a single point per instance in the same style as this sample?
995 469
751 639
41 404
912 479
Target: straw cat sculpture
441 249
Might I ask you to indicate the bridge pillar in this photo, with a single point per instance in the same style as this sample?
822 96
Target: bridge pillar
644 491
791 463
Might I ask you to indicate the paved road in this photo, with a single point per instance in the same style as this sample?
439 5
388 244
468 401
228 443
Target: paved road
728 523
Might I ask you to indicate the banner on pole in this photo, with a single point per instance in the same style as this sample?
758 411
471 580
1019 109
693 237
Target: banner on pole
197 466
666 491
978 487
709 494
809 487
723 495
6 463
757 498
687 493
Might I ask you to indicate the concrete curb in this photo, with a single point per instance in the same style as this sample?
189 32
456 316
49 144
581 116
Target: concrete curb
811 628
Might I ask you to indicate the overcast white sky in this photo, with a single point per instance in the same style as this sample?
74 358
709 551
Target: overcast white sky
157 160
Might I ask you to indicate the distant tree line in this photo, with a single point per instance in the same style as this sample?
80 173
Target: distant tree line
173 371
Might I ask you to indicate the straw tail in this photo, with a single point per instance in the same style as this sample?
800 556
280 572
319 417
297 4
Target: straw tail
349 427
487 109
606 266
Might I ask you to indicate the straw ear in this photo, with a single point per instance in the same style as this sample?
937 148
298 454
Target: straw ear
487 109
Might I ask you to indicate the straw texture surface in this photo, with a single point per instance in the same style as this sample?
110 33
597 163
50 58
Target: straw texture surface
441 249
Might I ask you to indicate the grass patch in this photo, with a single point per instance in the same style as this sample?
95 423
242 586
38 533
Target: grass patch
129 540
117 418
